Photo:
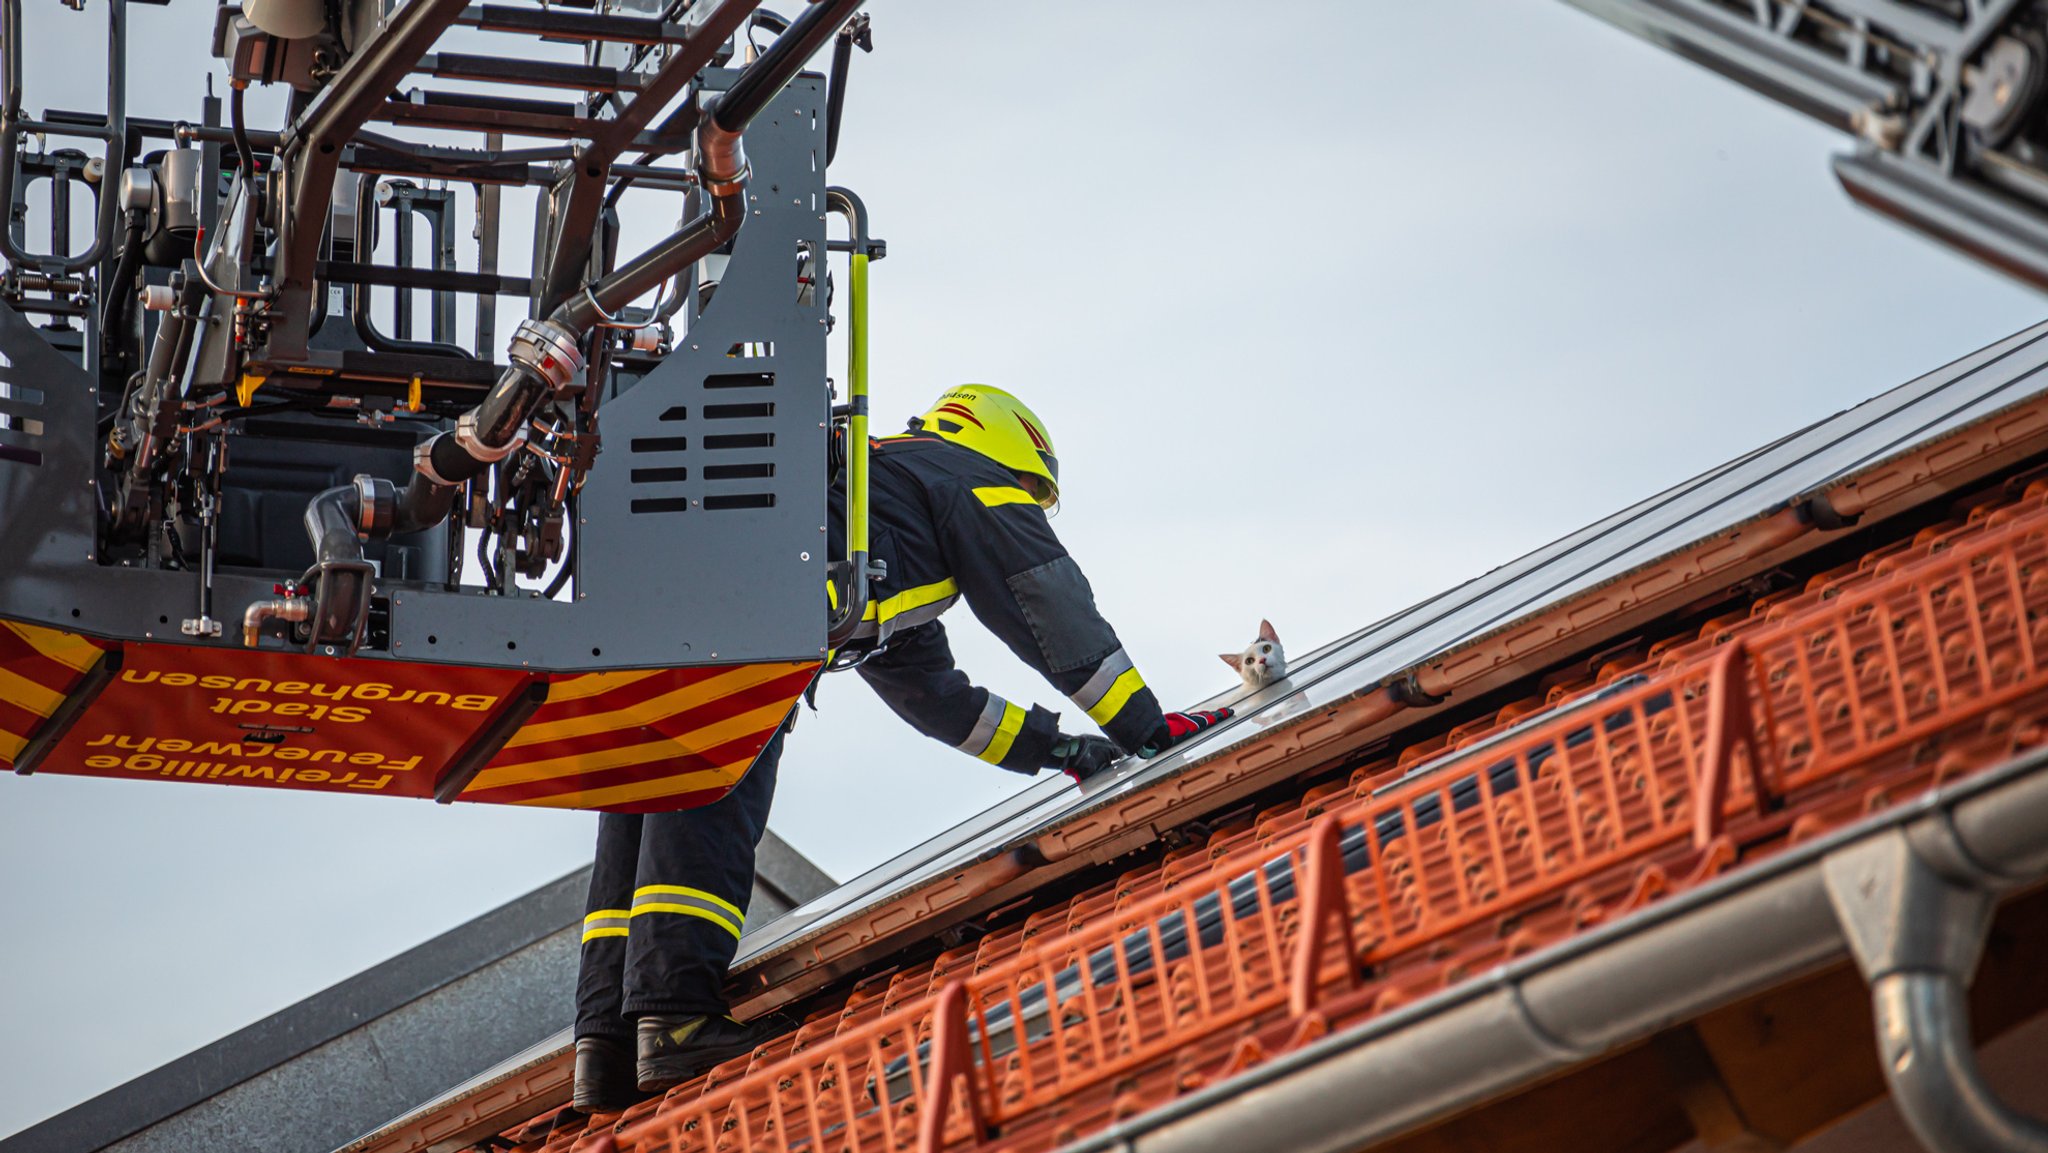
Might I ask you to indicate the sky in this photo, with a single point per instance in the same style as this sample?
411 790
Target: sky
1329 306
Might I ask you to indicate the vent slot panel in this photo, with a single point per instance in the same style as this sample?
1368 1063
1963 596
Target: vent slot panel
17 404
760 471
661 504
740 380
663 475
671 474
738 411
739 500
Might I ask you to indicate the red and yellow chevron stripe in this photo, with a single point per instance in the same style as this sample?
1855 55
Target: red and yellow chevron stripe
643 741
38 668
646 740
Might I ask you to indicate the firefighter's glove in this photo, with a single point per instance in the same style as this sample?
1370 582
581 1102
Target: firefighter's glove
1179 727
1082 757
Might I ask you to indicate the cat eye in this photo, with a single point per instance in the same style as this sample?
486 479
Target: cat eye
1265 648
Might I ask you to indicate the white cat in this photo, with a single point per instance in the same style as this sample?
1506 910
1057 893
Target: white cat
1262 662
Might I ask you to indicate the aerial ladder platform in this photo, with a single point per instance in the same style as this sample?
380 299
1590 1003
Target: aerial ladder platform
283 504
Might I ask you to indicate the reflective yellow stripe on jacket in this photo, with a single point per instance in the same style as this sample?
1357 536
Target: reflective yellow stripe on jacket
1003 494
908 599
1115 681
994 731
912 606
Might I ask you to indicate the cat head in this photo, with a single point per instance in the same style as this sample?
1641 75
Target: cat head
1263 661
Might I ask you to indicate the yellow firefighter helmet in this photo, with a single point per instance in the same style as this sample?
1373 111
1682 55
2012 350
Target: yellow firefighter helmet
999 427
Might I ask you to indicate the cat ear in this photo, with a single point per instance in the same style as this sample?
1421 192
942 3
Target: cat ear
1266 632
1234 660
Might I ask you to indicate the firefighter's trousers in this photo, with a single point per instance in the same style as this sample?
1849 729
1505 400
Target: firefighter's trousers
668 898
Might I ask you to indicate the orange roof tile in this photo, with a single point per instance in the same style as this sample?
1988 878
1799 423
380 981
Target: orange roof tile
1758 731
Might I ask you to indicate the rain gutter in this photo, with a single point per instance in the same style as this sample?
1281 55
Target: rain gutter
1907 893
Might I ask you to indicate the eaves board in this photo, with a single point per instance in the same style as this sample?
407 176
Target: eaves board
1755 485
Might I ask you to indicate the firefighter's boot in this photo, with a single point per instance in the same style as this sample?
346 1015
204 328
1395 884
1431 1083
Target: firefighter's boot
604 1076
675 1049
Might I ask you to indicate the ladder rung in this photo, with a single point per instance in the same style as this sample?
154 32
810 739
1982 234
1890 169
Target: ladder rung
557 24
433 279
464 111
535 73
467 165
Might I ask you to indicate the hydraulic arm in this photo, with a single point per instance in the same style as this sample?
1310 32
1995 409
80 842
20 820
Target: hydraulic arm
1944 98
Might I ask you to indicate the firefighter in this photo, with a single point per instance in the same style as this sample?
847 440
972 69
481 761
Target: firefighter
957 510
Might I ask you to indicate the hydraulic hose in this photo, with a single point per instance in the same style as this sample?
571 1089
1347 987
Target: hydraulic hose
121 286
779 64
336 521
854 33
243 152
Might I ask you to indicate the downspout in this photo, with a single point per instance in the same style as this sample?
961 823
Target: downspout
1915 915
547 355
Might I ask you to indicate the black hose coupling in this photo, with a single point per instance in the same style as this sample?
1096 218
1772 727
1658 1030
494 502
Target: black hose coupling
548 350
545 362
376 506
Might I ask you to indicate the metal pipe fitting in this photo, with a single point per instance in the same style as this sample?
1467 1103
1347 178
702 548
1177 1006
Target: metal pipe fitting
480 449
721 160
283 609
137 190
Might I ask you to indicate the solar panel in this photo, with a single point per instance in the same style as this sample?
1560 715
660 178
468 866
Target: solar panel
1754 485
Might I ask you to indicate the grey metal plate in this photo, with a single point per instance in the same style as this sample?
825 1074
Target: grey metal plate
1751 486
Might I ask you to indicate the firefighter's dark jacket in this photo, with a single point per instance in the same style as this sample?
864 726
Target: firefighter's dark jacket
950 523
